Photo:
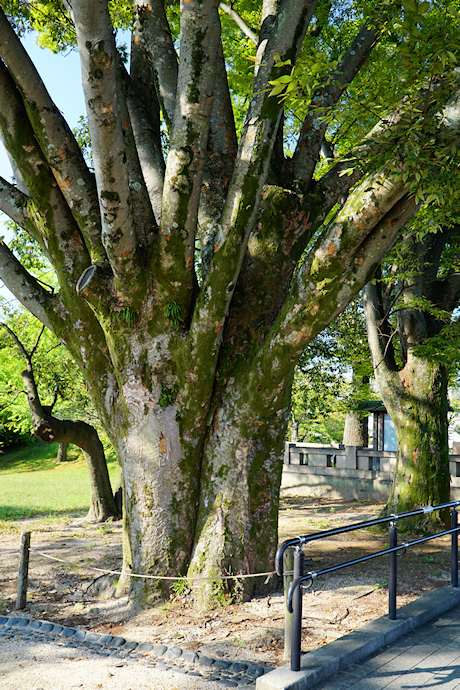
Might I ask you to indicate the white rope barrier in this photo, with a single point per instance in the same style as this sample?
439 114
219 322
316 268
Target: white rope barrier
155 577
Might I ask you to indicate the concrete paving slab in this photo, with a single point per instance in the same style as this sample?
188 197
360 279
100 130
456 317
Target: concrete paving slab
321 664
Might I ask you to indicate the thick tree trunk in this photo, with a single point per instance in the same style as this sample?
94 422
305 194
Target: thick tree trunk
159 500
201 481
415 396
237 526
419 412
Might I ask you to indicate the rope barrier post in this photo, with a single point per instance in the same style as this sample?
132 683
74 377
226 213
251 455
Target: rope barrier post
297 611
288 567
23 574
454 549
392 585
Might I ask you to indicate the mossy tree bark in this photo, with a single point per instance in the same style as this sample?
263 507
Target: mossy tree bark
190 370
413 386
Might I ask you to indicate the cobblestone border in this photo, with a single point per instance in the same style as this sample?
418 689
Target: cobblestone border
230 674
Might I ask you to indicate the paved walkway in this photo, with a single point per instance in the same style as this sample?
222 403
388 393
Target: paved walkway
426 658
421 649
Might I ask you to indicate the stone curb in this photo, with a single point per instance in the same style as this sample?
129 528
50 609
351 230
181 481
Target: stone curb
232 674
322 663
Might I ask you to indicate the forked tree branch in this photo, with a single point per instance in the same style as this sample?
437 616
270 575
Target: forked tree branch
19 344
25 287
99 61
316 301
57 142
341 262
56 229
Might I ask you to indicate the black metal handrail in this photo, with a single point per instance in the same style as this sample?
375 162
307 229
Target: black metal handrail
294 595
305 539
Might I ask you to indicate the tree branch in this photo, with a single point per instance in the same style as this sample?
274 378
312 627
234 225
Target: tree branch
219 163
144 113
379 339
312 133
55 227
11 402
144 222
153 35
37 341
340 263
200 36
18 343
25 287
13 202
99 62
57 143
335 185
240 22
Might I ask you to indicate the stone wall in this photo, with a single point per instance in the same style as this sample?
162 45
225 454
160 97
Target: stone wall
345 472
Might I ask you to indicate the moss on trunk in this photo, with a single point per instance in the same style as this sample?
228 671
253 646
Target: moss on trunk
419 412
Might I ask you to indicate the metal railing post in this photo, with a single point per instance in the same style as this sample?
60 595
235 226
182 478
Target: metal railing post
296 638
454 549
392 584
287 577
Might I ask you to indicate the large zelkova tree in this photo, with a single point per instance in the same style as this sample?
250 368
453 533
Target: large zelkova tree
410 314
210 244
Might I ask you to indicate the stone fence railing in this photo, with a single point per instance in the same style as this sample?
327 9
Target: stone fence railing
348 472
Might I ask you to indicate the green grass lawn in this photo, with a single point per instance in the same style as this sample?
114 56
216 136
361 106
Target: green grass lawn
31 484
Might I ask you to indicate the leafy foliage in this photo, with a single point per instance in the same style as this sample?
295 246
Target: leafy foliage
411 70
332 378
55 371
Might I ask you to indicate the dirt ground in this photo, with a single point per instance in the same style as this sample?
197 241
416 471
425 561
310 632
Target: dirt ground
62 591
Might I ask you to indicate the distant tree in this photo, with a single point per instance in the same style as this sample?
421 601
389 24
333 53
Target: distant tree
331 379
414 339
51 429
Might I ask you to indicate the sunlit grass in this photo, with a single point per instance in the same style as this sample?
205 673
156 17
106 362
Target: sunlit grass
31 484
